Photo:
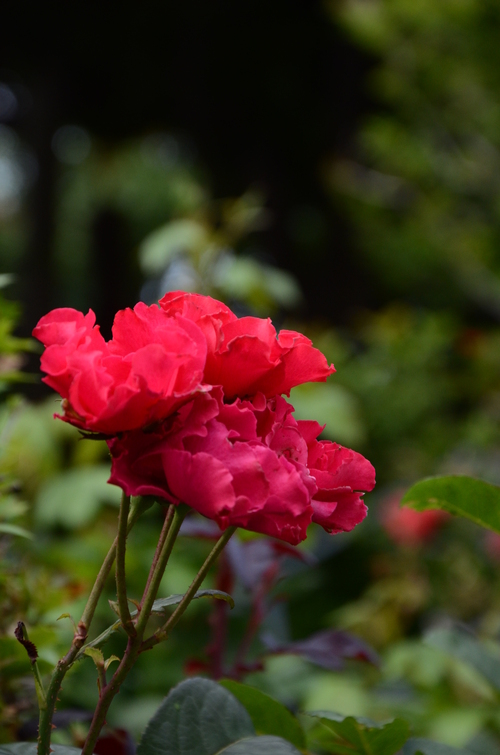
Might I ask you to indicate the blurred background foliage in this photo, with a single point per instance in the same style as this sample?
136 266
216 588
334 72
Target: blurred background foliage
332 165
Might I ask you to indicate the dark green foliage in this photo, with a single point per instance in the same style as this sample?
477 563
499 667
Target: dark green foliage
465 496
268 715
360 736
466 647
197 716
260 746
419 746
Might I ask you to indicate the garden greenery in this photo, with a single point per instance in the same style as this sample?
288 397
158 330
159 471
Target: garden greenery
188 398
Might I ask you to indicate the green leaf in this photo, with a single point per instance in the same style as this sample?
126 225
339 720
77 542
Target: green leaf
11 507
158 249
30 748
249 280
268 715
366 736
73 498
13 529
467 648
198 716
158 607
464 496
260 746
100 640
172 600
96 655
110 660
66 616
420 746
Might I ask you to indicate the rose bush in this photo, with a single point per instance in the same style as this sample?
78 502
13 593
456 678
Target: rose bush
189 399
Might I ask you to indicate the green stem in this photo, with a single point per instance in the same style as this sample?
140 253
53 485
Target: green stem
101 677
134 643
109 692
180 512
121 583
21 635
162 633
164 532
136 510
47 713
40 692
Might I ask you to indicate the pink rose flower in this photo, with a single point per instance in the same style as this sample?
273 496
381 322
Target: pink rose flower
245 464
341 475
151 365
210 457
190 395
245 355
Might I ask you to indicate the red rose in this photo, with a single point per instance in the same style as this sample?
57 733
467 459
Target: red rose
341 475
157 358
210 457
249 464
245 355
194 393
151 365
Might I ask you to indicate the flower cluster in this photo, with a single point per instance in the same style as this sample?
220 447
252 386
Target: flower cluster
190 397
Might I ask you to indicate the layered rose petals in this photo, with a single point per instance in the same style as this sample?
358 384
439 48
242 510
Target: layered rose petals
245 464
189 396
227 475
151 365
342 475
246 355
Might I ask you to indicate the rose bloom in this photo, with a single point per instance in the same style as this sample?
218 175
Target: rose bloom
189 397
248 464
159 357
152 364
245 355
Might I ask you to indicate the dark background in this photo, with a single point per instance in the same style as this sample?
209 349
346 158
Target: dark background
262 92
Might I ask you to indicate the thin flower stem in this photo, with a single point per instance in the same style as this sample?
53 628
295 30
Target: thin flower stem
136 510
101 678
149 596
108 693
40 692
134 643
46 714
121 584
164 532
162 633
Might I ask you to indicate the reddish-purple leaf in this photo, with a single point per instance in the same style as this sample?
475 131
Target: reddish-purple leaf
328 649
